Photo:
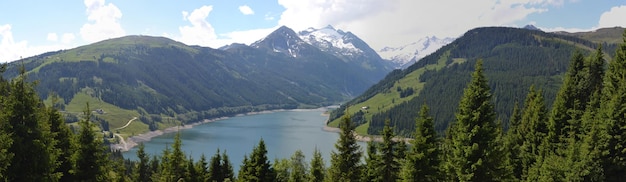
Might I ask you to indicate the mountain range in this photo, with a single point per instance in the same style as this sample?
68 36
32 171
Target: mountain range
514 59
166 83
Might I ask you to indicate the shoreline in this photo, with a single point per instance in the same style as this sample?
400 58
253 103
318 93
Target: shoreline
365 138
133 141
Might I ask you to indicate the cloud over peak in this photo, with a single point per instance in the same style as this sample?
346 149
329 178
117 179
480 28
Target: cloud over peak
103 21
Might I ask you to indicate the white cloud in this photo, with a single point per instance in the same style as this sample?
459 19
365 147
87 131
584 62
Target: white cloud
614 17
397 22
246 10
11 50
200 32
103 21
247 36
52 37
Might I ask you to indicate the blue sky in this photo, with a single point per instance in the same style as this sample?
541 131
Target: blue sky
31 27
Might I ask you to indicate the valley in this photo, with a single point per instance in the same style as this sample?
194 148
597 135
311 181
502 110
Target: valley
138 93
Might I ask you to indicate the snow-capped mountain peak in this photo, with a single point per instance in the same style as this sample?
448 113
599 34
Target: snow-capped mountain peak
410 53
330 39
283 40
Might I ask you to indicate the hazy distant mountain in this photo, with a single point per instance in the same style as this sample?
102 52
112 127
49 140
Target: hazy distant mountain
602 36
406 55
531 27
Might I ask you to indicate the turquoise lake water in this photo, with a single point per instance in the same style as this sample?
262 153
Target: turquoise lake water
284 132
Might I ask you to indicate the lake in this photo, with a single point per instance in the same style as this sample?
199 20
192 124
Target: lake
284 132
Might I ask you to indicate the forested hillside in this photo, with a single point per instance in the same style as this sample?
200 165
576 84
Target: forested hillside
513 60
165 83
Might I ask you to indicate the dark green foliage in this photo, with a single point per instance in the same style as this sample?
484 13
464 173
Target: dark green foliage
345 163
90 159
173 162
317 171
281 168
475 153
257 167
513 142
62 141
298 167
293 169
142 172
372 170
570 103
423 161
389 155
220 168
5 156
215 167
532 129
29 139
612 115
202 169
227 168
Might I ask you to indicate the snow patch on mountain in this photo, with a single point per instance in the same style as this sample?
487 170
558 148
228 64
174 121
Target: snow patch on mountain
330 39
410 53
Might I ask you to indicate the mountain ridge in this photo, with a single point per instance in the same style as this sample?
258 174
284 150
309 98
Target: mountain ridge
514 58
165 82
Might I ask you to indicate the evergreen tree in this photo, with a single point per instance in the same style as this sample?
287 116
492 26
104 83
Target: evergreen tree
174 162
215 167
62 137
155 168
533 129
513 142
191 174
388 154
580 81
258 167
31 146
317 171
90 159
281 168
298 167
345 163
612 115
5 156
372 170
5 138
142 172
423 161
475 153
202 169
227 168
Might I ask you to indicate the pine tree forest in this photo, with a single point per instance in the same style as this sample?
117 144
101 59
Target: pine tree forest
581 137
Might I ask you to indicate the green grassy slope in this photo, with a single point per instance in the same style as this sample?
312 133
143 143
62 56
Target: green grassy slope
513 58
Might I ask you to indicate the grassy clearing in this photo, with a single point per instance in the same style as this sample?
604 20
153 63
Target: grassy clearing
116 116
384 101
